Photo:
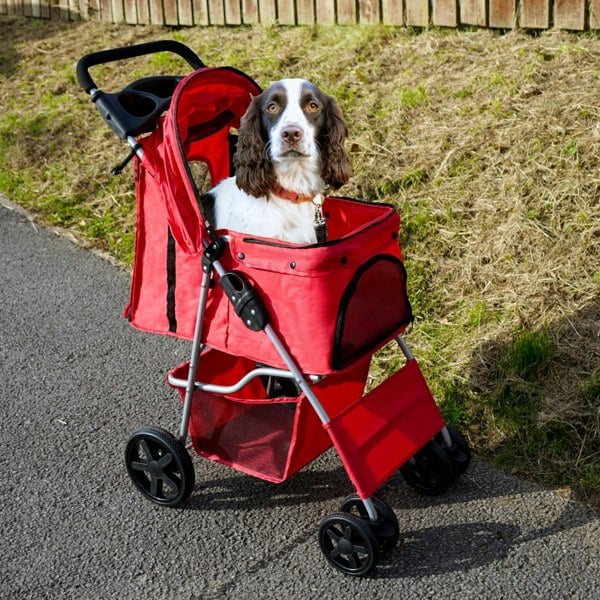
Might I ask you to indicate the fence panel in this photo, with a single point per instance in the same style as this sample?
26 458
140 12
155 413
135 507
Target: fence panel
445 13
569 14
535 14
576 15
417 13
472 12
502 14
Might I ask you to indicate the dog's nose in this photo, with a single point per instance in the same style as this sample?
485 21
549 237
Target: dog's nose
291 134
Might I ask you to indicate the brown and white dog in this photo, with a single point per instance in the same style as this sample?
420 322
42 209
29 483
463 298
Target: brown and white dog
290 149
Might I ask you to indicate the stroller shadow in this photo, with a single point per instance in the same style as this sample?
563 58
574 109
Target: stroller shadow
421 552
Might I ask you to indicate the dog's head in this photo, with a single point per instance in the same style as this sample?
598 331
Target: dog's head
291 124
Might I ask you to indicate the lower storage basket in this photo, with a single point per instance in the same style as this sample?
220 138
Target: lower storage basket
269 438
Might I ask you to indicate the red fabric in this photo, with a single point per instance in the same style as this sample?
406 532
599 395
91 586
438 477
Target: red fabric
302 287
380 432
268 438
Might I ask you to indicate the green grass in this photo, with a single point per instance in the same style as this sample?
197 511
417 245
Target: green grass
487 144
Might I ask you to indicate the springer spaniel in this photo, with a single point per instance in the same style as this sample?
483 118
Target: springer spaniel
290 148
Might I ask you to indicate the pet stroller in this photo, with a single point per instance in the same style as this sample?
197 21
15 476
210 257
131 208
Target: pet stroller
282 335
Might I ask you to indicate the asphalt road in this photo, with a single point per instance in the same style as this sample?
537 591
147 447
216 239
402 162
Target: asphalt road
76 381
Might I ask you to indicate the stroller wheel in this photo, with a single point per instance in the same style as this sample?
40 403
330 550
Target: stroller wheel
159 466
386 529
459 453
429 471
349 544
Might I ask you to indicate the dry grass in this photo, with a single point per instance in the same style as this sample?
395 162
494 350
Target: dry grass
488 144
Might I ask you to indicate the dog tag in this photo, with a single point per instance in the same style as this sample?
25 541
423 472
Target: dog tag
320 224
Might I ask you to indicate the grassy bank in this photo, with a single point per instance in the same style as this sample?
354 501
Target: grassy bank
488 144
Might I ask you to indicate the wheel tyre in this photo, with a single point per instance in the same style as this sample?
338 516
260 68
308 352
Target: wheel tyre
348 544
459 453
430 471
386 529
159 466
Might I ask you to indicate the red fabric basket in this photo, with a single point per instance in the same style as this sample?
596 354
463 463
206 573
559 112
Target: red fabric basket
267 438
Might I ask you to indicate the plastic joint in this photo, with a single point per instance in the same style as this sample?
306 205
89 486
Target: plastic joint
245 300
212 252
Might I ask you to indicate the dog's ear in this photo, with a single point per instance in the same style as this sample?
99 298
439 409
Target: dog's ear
336 169
254 173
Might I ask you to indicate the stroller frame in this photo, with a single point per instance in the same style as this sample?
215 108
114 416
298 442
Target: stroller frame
429 459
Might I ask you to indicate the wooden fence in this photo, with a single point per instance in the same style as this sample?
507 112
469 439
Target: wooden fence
575 15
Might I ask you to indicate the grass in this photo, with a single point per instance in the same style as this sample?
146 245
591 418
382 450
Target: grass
488 144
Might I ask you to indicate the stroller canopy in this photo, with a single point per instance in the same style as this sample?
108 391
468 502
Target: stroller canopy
205 107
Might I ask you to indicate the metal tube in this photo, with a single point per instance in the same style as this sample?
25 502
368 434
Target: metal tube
373 516
446 437
195 356
404 347
298 376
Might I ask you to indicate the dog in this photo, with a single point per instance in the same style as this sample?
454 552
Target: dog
290 149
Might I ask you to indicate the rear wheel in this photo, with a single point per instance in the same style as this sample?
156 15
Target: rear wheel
459 452
429 471
159 466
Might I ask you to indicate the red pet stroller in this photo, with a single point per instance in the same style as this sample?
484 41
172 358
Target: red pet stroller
282 335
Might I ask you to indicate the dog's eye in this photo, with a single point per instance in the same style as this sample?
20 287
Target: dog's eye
272 107
312 107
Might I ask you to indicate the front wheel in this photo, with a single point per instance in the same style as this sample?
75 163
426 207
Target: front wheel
386 529
348 544
159 466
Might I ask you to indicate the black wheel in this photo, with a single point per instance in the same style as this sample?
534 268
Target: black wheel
386 529
429 471
348 544
159 466
459 452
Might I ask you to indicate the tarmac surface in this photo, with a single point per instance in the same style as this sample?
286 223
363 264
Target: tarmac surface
76 381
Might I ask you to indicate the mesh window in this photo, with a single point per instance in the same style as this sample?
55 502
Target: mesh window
373 309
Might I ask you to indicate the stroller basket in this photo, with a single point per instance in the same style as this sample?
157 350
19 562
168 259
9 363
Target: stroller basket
269 438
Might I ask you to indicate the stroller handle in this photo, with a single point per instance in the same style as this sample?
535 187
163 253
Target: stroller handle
126 52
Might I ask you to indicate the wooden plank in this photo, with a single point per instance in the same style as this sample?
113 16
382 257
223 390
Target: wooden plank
216 12
286 12
250 12
535 14
417 13
346 12
156 12
130 11
118 13
185 12
503 14
472 12
445 13
594 14
45 9
143 12
392 12
93 10
305 12
200 8
27 10
569 14
233 12
267 9
368 11
170 12
83 9
325 11
63 10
